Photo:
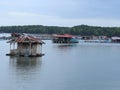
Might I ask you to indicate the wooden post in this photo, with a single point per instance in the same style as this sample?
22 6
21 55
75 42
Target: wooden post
10 46
13 45
40 49
30 49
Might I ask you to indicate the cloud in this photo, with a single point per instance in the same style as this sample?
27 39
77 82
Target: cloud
28 18
22 14
61 13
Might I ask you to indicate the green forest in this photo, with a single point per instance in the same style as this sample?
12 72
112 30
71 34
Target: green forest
83 30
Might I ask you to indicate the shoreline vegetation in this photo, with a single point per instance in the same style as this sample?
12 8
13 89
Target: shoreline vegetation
83 30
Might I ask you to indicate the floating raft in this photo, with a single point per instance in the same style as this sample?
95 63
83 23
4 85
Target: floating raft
64 38
37 55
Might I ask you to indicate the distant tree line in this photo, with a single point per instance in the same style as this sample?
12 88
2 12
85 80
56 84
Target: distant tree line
83 30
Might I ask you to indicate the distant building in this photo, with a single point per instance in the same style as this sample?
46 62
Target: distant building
99 37
25 45
94 37
115 39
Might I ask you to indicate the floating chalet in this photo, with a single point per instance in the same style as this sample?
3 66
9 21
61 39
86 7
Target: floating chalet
25 45
64 38
115 39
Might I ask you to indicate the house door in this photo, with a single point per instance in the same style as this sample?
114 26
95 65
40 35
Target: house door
27 52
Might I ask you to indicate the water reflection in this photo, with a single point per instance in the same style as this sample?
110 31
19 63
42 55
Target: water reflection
24 70
25 65
23 62
66 46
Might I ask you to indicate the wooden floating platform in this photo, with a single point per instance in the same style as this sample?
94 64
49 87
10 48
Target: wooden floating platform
64 38
37 55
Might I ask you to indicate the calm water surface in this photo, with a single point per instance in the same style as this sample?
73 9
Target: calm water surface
83 66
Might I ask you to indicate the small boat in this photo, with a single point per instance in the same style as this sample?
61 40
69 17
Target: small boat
74 40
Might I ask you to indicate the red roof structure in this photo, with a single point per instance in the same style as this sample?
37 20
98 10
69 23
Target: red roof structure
27 39
63 35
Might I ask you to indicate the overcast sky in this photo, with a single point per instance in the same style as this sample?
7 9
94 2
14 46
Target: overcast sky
60 12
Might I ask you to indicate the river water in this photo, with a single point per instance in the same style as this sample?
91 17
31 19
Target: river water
83 66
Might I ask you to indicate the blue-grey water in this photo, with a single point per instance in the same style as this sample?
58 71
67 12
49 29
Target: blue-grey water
83 66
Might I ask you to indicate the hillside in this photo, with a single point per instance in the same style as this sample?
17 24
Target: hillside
76 30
